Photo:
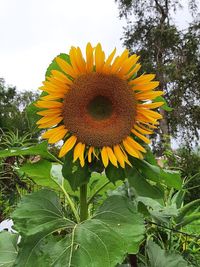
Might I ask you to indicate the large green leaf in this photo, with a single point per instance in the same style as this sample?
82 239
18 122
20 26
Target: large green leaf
161 258
47 174
37 216
40 149
141 185
158 211
156 174
8 248
103 240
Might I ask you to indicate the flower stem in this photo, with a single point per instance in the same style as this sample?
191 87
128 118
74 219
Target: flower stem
83 203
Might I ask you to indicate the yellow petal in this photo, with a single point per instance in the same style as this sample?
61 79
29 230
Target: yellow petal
108 61
150 113
118 61
66 67
128 64
131 151
142 137
119 155
47 119
134 144
52 97
145 118
125 156
151 105
142 130
90 154
57 136
68 145
133 71
148 95
52 112
99 58
144 78
111 156
145 87
73 59
51 132
49 104
104 156
89 58
57 82
81 157
61 77
51 123
77 151
148 124
80 60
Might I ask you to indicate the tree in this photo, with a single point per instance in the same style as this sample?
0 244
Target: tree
12 108
174 55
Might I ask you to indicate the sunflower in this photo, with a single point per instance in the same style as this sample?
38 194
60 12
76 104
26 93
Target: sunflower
99 107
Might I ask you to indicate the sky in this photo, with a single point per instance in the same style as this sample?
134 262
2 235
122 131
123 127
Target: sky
33 32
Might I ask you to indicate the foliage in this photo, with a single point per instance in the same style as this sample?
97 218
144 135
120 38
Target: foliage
8 249
12 108
188 162
82 244
174 56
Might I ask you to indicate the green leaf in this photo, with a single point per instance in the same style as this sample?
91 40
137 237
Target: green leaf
115 230
171 178
74 173
141 185
188 219
37 216
104 240
40 149
165 105
48 174
189 207
54 65
161 258
114 174
158 211
8 248
158 175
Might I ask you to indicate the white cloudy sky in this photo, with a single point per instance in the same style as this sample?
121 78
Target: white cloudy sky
32 32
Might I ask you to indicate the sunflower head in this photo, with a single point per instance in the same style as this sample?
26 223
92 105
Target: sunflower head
98 106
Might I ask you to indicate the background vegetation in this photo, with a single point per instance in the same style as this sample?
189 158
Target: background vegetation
174 55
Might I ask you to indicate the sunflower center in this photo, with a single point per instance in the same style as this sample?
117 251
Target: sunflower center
100 107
